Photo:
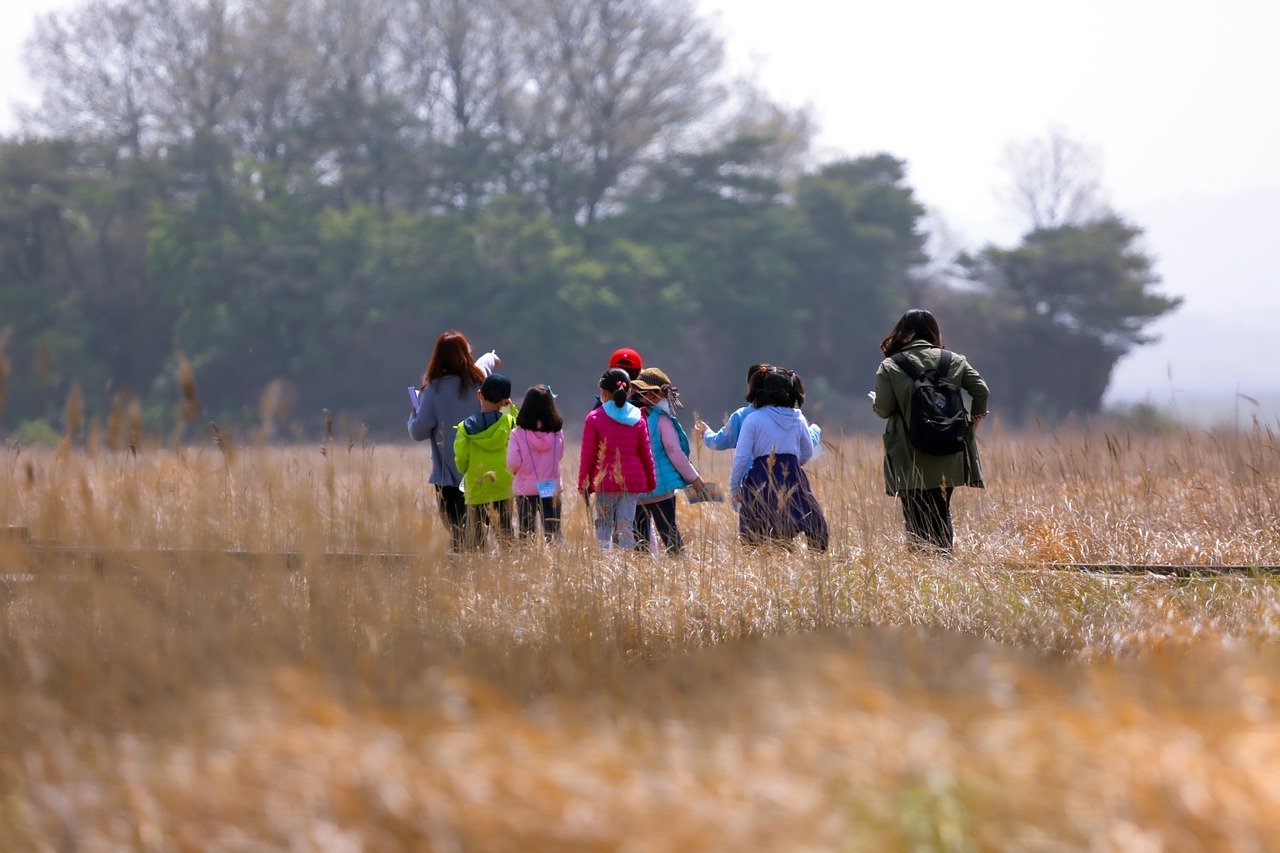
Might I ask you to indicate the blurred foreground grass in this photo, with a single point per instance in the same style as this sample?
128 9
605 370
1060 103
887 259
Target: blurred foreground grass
559 698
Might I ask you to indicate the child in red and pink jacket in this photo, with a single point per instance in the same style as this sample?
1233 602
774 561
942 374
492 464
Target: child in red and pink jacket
533 455
617 462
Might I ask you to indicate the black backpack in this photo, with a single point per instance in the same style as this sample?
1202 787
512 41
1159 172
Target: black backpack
938 418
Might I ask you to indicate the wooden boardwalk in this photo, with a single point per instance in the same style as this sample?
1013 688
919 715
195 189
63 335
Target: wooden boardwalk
22 558
25 559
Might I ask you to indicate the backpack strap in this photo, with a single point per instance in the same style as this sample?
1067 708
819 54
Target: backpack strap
909 367
944 364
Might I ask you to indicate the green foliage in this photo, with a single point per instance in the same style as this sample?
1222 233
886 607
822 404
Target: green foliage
1091 279
295 208
1052 316
1142 418
36 433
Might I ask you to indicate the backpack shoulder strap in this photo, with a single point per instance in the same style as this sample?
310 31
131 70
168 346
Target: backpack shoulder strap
908 366
944 364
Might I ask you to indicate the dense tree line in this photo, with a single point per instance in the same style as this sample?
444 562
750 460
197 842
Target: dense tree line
292 197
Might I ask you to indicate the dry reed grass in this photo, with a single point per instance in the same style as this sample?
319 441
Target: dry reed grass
559 698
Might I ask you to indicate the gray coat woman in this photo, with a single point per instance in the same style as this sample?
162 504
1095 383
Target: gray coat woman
922 481
447 397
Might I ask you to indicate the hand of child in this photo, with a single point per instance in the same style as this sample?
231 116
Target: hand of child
701 425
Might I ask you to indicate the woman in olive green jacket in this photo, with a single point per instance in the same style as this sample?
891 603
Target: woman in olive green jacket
923 481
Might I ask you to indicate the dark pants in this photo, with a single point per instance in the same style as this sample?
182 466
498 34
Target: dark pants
454 509
528 507
663 515
928 516
495 515
778 504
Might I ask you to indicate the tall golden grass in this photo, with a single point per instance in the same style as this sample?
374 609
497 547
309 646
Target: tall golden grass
558 697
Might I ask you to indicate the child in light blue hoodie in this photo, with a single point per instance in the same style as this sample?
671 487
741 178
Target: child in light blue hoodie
767 483
726 438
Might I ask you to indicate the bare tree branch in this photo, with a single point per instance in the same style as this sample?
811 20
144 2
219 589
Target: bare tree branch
1053 181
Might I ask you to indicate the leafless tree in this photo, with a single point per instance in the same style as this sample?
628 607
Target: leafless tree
1053 181
464 69
93 67
609 80
431 101
198 70
283 70
748 112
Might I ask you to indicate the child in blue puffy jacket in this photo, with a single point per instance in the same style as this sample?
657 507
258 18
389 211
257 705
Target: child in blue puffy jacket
673 469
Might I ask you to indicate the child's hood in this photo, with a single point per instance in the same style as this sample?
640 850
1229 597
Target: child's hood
782 416
626 414
539 442
489 431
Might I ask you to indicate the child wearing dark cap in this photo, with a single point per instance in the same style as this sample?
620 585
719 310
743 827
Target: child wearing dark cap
480 451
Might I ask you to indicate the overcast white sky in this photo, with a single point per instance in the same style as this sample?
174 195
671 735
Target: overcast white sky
1177 96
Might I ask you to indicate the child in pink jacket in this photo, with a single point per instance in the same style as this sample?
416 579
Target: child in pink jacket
533 455
617 462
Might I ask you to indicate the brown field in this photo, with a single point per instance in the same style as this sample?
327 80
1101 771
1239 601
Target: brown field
558 698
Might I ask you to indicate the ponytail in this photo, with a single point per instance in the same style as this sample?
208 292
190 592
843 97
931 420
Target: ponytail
615 383
797 389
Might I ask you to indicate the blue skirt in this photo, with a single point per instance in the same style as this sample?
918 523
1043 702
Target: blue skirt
778 504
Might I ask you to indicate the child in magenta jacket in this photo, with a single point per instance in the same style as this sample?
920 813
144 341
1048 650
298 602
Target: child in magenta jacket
616 465
533 455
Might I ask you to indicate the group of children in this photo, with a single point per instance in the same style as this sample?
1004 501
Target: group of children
634 457
510 454
635 454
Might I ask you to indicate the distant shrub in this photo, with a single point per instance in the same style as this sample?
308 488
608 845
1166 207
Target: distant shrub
1142 418
39 433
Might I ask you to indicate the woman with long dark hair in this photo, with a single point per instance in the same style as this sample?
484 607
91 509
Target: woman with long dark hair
446 398
924 479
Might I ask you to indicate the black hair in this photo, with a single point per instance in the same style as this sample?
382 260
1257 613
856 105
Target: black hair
776 386
615 383
797 389
538 411
753 374
915 325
